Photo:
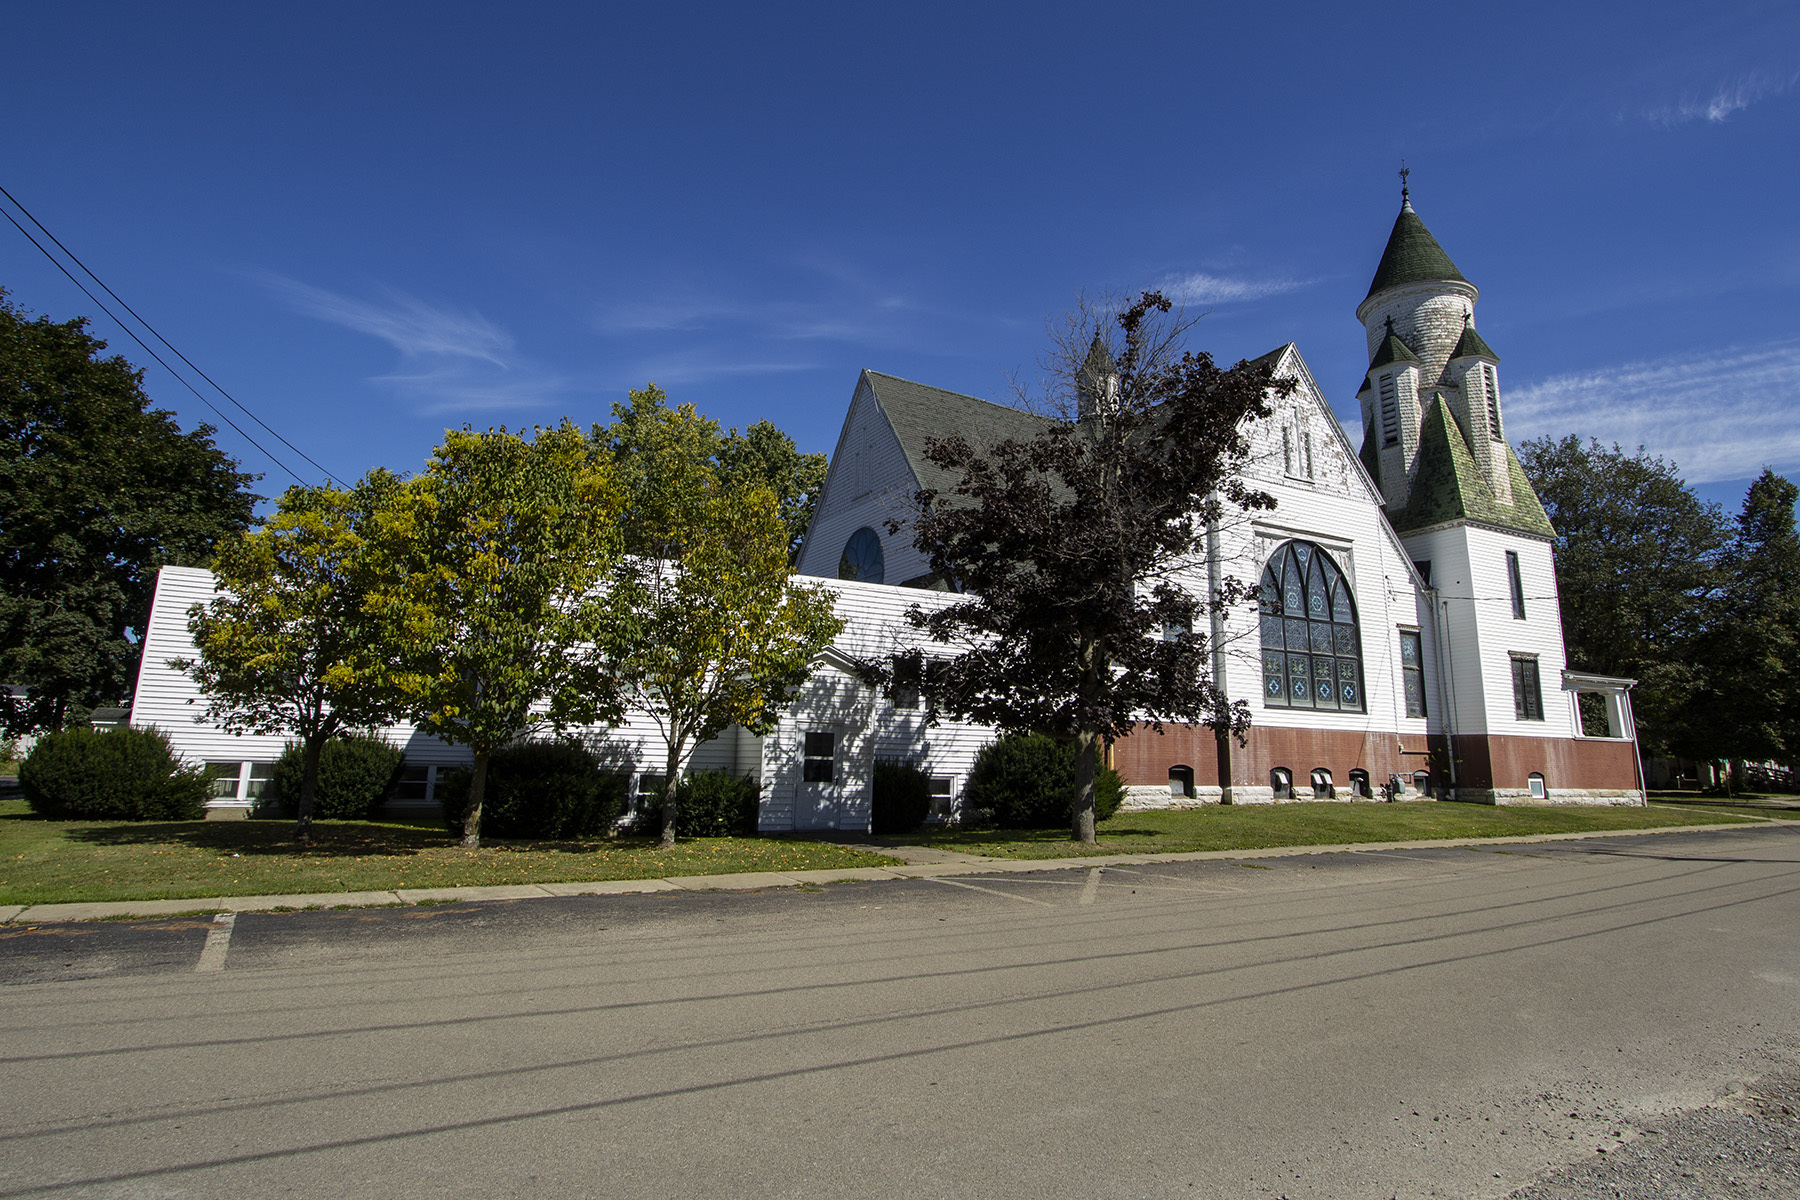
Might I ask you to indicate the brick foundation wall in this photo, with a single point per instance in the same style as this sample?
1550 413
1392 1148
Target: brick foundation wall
1575 764
1144 758
1485 764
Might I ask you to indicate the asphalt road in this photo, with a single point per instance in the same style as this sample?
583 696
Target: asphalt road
1454 1022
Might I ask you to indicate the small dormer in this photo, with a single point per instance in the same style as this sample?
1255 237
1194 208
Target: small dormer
1391 413
1473 370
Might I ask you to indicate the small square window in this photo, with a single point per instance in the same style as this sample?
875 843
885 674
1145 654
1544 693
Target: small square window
414 785
261 784
224 776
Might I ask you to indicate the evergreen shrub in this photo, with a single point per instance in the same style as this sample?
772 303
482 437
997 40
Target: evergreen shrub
85 774
538 790
1027 781
356 772
902 796
708 804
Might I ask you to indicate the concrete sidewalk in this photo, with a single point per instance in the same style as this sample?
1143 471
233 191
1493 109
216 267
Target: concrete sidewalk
917 862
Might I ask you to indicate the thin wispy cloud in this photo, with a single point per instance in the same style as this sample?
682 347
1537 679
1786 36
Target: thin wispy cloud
1717 103
1202 288
451 360
1721 416
408 324
676 370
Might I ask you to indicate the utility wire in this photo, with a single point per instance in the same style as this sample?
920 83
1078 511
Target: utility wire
73 257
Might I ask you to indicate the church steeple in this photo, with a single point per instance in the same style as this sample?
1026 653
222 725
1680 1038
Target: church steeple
1097 382
1432 418
1412 254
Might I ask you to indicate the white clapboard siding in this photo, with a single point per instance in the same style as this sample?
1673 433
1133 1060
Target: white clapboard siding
168 698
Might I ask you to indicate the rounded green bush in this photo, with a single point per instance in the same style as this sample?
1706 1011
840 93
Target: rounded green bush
902 797
1027 781
356 771
111 775
707 804
538 790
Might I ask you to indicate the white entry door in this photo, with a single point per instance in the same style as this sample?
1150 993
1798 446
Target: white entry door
819 801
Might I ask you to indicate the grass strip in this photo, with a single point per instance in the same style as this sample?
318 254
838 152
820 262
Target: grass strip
54 862
1259 826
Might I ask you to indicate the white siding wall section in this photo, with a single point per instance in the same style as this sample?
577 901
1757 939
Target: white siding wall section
1468 567
871 727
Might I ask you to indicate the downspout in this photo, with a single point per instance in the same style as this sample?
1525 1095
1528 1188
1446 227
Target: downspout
1637 755
1446 681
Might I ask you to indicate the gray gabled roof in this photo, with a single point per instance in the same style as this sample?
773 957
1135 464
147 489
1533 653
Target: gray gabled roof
918 411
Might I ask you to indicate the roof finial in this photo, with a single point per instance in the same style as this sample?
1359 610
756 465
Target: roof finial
1390 325
1405 192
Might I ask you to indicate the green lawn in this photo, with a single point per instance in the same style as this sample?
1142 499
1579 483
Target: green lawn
55 861
1249 827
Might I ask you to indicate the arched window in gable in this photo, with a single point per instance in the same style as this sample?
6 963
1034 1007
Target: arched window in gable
1312 653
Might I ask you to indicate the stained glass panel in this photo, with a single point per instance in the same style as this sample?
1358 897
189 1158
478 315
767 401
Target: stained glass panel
1309 632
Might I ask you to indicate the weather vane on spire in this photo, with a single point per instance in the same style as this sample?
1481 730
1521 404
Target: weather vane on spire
1405 170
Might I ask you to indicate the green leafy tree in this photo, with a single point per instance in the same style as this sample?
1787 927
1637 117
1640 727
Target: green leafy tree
646 430
288 645
709 628
97 490
1638 567
1066 548
1753 647
764 455
494 560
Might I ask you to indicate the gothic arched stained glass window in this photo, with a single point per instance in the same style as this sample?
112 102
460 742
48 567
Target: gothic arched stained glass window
1312 656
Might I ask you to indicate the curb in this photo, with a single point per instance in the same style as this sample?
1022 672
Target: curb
114 909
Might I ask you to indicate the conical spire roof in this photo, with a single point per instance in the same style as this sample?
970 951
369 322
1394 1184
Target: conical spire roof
1412 255
1471 344
1392 350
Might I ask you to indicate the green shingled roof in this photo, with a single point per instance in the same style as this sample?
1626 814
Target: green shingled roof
1448 485
1412 255
1371 456
918 411
1471 344
1392 350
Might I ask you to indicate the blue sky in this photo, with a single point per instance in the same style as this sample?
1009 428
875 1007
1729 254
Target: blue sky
373 221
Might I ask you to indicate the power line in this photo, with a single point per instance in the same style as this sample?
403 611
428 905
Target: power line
73 257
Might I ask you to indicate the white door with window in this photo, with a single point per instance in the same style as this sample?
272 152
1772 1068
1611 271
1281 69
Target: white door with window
819 802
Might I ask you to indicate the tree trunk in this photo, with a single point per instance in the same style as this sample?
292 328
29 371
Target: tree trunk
1227 785
477 792
309 787
671 780
1087 767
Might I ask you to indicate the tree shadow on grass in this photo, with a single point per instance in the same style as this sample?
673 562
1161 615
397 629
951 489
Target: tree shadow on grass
269 838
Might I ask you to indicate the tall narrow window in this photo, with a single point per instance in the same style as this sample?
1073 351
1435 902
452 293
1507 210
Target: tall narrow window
1528 701
1306 445
821 757
1312 654
1412 672
1493 399
1390 415
1517 583
1287 449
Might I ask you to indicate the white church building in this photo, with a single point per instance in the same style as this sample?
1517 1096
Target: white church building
1408 633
